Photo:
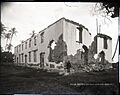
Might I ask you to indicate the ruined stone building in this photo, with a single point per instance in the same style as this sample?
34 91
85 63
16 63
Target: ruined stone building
43 48
104 43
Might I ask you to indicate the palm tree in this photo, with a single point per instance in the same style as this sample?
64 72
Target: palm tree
9 47
33 33
12 31
3 29
7 36
22 41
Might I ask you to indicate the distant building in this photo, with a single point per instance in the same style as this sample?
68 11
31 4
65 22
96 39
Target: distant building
35 49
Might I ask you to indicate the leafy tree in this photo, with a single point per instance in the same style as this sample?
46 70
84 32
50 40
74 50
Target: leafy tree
107 9
108 6
7 57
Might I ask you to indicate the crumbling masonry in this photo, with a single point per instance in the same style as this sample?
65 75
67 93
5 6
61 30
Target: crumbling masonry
61 41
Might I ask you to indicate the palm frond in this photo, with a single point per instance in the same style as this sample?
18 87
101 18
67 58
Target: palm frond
9 47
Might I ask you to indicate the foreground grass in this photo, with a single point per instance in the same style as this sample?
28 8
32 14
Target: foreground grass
15 79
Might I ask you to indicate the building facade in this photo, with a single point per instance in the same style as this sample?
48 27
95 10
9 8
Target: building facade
35 49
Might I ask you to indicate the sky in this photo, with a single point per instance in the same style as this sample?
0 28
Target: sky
29 16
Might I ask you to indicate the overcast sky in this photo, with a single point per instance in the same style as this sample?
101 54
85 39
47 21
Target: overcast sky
28 16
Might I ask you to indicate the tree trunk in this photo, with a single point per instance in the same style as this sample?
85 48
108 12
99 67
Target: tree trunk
11 38
6 43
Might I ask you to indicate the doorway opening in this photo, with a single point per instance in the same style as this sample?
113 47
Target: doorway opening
42 54
25 58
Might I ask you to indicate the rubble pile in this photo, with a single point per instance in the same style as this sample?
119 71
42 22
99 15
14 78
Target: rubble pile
85 60
98 66
79 63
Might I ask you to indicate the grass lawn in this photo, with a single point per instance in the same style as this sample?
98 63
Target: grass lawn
16 79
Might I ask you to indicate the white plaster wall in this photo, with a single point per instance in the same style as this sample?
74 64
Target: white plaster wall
108 51
26 51
51 33
86 38
70 38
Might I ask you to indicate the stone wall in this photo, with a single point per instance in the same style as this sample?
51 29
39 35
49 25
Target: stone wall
79 63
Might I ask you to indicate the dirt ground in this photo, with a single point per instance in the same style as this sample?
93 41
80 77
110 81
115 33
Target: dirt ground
16 79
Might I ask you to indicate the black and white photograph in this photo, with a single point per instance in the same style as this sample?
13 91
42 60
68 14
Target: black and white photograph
60 48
